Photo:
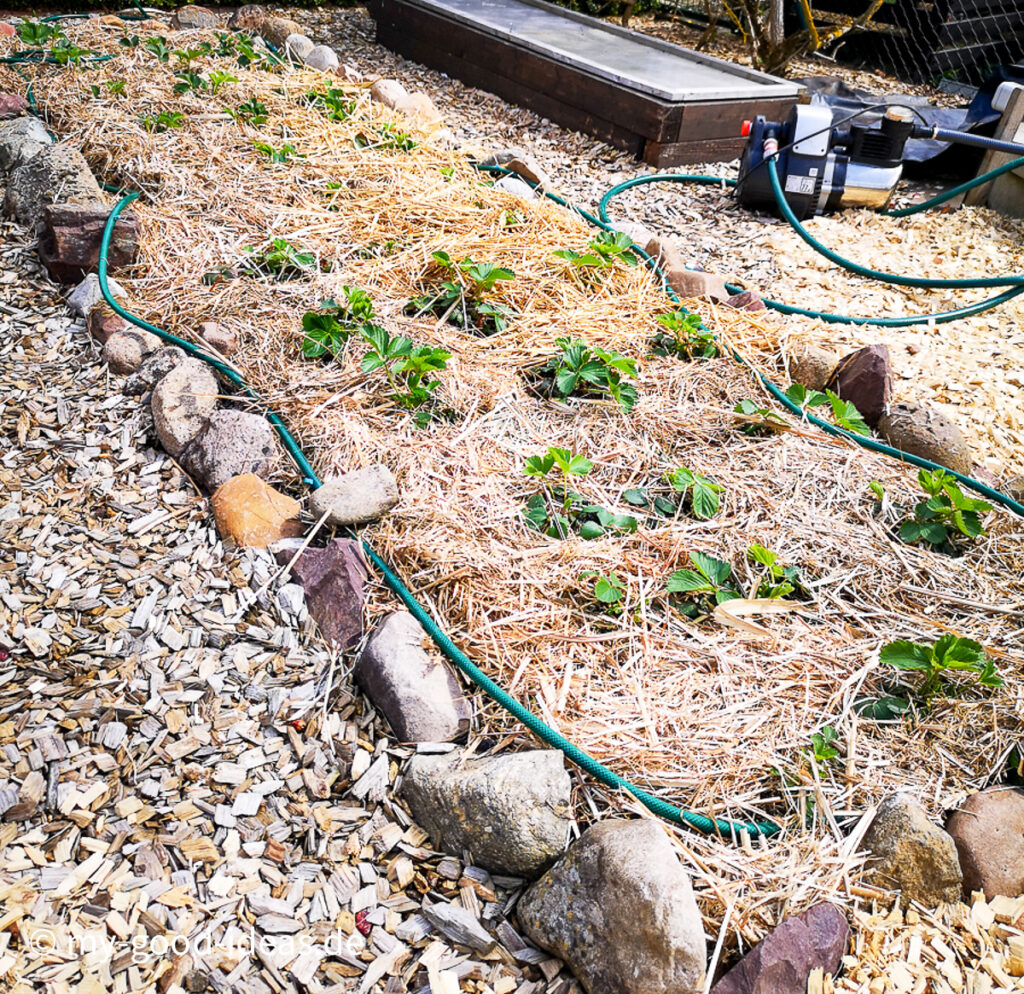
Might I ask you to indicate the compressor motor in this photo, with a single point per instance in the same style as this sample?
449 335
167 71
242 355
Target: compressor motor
822 168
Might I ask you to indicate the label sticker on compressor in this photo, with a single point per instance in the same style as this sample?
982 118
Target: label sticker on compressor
800 184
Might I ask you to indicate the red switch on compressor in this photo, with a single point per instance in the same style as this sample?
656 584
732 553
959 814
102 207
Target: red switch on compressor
745 128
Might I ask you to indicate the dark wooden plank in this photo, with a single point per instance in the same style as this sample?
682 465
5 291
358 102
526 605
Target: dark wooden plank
715 121
995 27
402 23
663 156
421 50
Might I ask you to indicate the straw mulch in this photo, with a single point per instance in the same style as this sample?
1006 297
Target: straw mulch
700 714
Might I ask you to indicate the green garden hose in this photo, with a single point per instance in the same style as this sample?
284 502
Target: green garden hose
544 732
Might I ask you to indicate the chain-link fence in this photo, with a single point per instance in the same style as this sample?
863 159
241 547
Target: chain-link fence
945 42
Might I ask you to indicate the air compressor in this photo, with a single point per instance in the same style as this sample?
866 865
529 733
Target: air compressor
824 167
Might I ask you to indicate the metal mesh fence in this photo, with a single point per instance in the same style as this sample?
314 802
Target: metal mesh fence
942 42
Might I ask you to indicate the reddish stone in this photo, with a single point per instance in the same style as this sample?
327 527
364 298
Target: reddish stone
69 246
333 579
104 321
988 830
7 30
783 960
746 301
864 378
12 105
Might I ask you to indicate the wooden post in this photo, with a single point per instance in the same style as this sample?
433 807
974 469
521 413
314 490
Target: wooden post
1011 120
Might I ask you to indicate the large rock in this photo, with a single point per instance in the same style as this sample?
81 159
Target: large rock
124 351
357 497
13 105
927 433
218 337
182 402
333 580
87 294
153 369
420 110
417 692
297 47
190 17
911 854
510 812
387 92
254 514
20 140
811 366
782 962
230 443
516 187
55 173
249 17
690 284
276 30
988 830
69 244
864 378
322 58
619 910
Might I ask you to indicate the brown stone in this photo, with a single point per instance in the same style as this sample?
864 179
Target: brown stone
69 245
192 16
988 830
254 514
927 433
104 321
249 17
276 30
912 855
746 301
218 337
811 366
690 284
864 378
124 351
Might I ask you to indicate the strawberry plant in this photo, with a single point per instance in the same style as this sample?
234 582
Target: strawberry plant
608 590
684 337
186 56
844 413
251 112
458 299
409 368
704 586
948 654
280 259
65 53
387 138
945 518
190 81
588 371
219 79
775 580
558 511
39 33
329 328
603 253
822 749
277 156
331 102
163 121
699 491
757 420
158 46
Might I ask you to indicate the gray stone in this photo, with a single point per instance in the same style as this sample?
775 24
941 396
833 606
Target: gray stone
417 693
782 962
864 378
516 187
181 402
20 140
322 58
510 812
618 909
522 163
988 830
811 366
357 497
228 444
927 433
192 17
639 233
291 598
458 925
333 579
124 351
153 369
298 47
56 174
388 92
87 294
911 854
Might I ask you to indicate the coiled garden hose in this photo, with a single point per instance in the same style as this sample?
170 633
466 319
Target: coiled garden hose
444 643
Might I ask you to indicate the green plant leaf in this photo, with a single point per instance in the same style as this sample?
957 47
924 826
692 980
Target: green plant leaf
906 655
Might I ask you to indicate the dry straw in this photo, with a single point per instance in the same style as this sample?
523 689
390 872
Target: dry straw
697 713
